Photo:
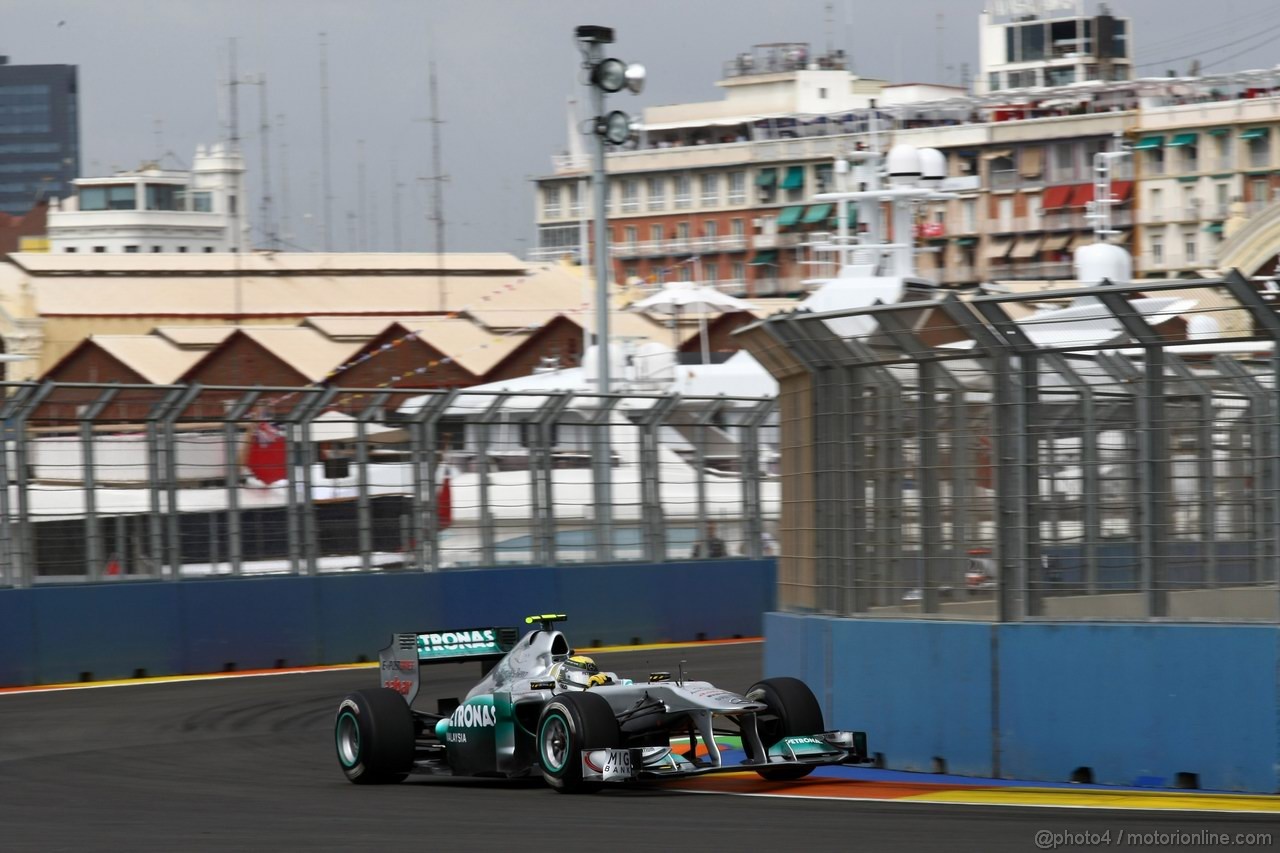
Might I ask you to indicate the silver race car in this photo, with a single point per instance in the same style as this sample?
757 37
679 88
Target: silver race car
544 709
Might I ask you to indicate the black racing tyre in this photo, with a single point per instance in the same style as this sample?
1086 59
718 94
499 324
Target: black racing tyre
794 711
374 735
570 723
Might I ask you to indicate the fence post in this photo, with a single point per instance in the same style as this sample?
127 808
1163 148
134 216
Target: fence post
602 476
230 432
655 537
1208 511
92 532
364 510
13 416
1090 494
170 457
488 554
542 441
752 504
423 439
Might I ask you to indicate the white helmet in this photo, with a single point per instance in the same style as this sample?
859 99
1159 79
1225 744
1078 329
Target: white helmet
578 672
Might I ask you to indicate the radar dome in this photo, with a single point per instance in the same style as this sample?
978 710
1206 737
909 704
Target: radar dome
933 165
903 164
1095 262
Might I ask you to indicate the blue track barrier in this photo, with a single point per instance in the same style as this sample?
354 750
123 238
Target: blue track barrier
121 629
1136 704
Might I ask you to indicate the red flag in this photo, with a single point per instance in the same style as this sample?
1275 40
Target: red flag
113 566
266 457
444 504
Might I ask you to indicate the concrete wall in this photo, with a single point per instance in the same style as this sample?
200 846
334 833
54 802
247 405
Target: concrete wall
1138 704
122 629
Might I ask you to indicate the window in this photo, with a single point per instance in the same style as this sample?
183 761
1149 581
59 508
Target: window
1190 158
208 250
739 271
1223 145
993 80
1033 212
202 202
156 249
1222 199
1006 214
1155 161
711 229
682 230
1157 204
711 272
1157 249
1189 245
686 272
231 205
575 199
822 175
131 249
655 233
737 188
1259 147
683 191
822 93
630 195
551 201
1190 204
69 249
738 228
632 272
630 235
969 215
657 193
164 197
1258 189
100 249
182 248
1064 162
710 190
93 198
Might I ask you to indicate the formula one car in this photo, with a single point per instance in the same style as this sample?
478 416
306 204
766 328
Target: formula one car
542 709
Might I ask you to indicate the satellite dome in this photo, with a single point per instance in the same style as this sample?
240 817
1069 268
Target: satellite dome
903 164
1095 262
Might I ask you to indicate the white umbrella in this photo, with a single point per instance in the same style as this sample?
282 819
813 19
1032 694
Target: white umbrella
681 296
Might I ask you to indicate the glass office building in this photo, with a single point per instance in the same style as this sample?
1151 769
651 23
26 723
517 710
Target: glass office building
39 134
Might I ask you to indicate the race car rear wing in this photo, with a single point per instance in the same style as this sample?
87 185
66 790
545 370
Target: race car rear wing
399 662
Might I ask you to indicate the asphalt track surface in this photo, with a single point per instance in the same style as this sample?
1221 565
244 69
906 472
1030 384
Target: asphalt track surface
249 764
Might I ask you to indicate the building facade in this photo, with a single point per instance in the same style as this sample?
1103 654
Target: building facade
39 134
157 210
722 193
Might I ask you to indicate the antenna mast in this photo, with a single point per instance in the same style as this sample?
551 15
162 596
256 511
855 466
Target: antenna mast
327 190
264 128
362 209
437 193
284 233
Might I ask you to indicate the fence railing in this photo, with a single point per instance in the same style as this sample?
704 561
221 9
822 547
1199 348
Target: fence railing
1110 453
139 481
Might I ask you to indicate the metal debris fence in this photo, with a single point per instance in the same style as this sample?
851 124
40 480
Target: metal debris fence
325 479
1102 453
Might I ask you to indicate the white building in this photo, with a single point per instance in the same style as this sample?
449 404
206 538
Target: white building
1032 43
157 210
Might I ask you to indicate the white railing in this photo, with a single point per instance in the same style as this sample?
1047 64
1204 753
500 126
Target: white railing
683 201
657 202
776 241
631 205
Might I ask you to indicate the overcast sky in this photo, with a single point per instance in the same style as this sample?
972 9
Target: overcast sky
150 74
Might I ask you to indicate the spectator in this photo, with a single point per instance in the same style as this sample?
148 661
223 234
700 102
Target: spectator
714 545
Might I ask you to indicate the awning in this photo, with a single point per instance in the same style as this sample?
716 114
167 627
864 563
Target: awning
1081 195
1055 197
816 213
794 179
1119 238
1184 139
1121 190
967 241
1188 179
1031 162
1219 131
766 257
1056 242
1149 142
790 215
999 247
767 177
1254 133
1213 228
998 155
1026 247
1081 240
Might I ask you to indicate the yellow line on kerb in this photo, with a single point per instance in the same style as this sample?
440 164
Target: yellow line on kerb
1101 799
302 670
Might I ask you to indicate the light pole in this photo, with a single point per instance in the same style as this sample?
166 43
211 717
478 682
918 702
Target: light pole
604 76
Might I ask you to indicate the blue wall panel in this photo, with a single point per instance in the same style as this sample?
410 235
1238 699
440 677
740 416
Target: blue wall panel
18 664
1140 703
227 625
112 630
106 630
1135 703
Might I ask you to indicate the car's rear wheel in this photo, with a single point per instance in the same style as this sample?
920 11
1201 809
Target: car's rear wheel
374 736
570 723
793 710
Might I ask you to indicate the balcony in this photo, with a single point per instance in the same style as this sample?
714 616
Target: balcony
1066 221
776 241
552 253
657 203
683 201
1005 179
1032 270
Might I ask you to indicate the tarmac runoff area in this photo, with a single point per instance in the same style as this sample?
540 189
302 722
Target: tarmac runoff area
245 760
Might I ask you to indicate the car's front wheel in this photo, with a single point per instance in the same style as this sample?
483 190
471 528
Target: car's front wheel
793 710
373 732
569 724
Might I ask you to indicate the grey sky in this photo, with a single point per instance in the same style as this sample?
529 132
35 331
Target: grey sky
505 67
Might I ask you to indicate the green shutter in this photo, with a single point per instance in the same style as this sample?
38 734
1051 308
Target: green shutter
767 177
1219 131
1213 228
816 213
790 215
794 179
1255 133
1183 139
1149 142
764 257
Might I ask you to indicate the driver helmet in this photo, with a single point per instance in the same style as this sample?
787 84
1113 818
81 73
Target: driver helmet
579 672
